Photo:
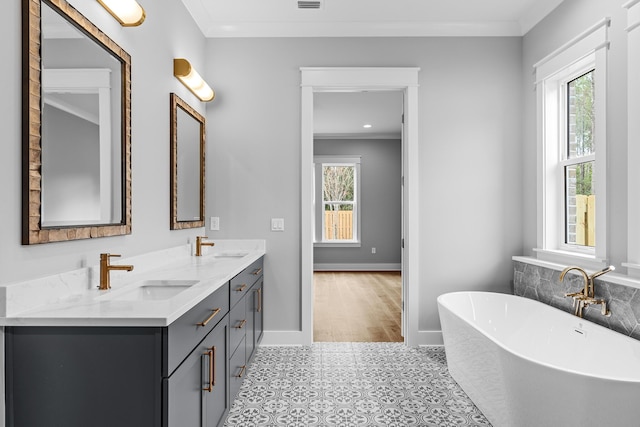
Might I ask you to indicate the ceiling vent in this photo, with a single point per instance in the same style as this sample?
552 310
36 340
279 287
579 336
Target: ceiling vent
309 4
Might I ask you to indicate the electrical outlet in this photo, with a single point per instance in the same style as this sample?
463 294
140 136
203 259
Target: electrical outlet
373 250
215 223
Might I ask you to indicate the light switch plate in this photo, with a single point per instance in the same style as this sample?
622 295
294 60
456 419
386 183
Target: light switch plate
277 224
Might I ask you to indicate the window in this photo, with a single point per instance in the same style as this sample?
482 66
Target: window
337 201
578 161
571 91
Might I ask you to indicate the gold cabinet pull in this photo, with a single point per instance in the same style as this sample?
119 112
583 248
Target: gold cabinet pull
241 287
208 319
242 369
258 271
259 291
212 354
241 324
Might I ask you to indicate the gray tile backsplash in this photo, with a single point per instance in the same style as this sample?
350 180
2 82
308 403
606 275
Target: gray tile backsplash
543 284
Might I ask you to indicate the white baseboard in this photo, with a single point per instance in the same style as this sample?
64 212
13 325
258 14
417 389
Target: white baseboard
283 338
358 267
297 338
430 338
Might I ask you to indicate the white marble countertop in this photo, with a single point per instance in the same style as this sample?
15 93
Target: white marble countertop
92 307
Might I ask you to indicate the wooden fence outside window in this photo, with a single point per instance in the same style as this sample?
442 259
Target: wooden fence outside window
338 225
586 220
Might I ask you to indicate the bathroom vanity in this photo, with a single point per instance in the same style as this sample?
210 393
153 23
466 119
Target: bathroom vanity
169 349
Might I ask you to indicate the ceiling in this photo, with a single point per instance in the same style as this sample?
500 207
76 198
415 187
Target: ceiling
344 114
367 18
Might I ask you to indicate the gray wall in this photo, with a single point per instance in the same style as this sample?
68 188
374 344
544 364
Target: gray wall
470 155
570 19
470 182
381 171
168 32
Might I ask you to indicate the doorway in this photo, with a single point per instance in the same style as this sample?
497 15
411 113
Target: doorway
358 216
361 79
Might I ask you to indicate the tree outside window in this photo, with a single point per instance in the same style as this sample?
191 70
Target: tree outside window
339 196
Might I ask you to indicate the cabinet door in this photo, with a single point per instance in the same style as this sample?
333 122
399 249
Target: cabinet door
251 308
183 393
216 393
258 314
195 395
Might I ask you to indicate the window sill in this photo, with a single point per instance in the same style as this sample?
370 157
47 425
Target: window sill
564 258
337 244
633 270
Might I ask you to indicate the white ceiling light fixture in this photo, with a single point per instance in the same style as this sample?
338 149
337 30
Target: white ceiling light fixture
367 126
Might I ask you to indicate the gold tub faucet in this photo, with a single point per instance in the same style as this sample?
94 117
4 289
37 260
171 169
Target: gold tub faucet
106 267
200 244
587 296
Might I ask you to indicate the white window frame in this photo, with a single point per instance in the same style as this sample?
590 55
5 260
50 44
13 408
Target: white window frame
633 149
585 52
328 160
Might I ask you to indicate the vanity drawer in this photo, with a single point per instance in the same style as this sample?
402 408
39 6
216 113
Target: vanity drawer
243 281
185 333
237 325
237 370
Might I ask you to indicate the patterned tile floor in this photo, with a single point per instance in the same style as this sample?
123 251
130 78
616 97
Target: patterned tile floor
352 384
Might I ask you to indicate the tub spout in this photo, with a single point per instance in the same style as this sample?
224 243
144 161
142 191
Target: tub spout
587 296
585 276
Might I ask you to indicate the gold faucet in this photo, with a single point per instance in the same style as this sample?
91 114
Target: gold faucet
105 268
587 296
200 244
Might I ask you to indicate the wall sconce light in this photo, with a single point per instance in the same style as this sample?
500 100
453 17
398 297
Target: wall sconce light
189 77
127 12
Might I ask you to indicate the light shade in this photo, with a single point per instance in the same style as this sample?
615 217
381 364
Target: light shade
189 77
127 12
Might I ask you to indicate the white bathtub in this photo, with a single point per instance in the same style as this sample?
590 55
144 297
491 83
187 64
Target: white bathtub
524 363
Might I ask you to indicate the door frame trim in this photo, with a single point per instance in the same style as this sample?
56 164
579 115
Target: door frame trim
340 79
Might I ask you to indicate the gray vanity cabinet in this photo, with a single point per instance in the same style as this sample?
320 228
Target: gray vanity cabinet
246 322
182 375
72 376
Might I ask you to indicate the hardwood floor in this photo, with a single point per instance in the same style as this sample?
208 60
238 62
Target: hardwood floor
357 306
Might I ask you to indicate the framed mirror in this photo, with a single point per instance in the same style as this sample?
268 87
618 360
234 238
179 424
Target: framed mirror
187 165
76 127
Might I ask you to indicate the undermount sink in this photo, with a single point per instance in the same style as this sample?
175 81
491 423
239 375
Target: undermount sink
230 254
152 290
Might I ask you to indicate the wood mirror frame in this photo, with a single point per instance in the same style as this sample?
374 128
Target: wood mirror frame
176 103
32 230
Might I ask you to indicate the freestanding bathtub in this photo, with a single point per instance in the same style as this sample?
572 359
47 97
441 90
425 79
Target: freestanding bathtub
524 363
